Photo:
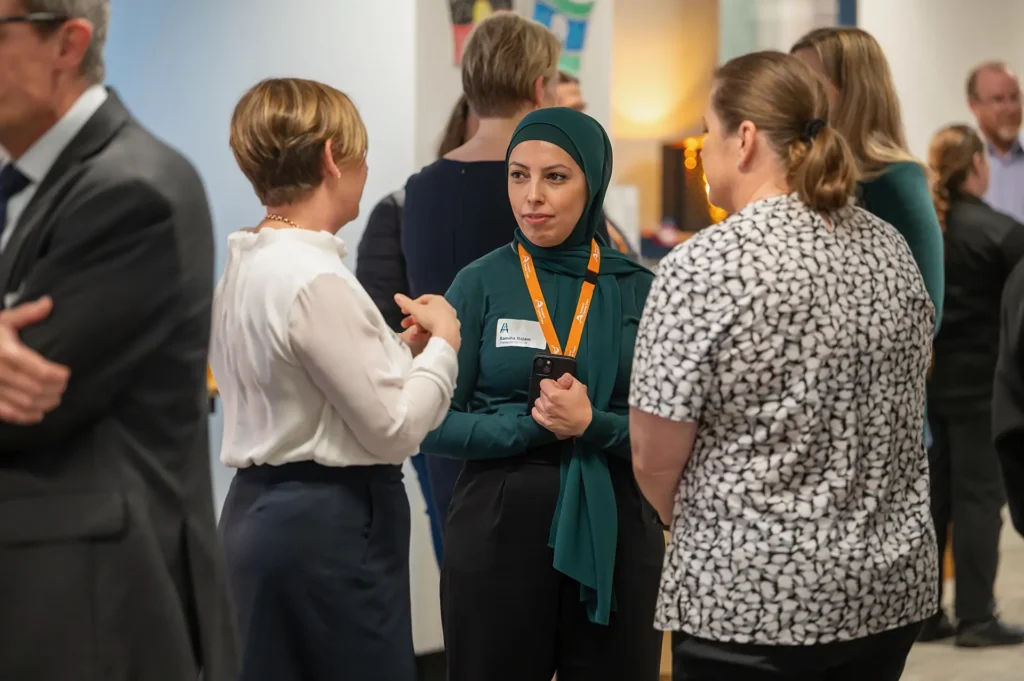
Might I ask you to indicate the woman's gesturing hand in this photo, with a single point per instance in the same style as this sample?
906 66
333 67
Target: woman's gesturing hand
563 407
433 315
414 336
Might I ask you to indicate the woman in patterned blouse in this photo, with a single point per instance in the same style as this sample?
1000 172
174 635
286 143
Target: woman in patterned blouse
778 403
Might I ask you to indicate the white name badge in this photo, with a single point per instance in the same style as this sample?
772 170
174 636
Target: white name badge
519 333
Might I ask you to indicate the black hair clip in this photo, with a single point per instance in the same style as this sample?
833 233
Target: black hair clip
812 129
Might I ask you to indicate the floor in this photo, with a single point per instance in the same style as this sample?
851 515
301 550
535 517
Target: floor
944 662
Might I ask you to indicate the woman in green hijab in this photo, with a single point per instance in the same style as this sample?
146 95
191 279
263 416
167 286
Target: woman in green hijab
552 557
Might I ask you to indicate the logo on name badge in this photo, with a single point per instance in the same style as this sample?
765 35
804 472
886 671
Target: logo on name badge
519 333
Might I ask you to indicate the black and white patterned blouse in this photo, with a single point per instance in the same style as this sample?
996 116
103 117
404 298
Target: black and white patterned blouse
801 351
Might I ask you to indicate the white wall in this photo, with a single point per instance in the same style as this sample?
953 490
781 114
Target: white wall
932 45
749 25
438 81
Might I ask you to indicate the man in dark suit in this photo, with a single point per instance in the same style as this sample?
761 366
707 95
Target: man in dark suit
110 566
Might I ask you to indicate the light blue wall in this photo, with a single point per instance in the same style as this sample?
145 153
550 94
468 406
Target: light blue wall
737 28
180 66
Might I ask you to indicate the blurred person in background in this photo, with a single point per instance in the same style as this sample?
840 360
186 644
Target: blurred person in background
552 558
570 97
322 404
110 566
993 93
982 247
456 209
569 94
777 405
866 111
1008 396
380 268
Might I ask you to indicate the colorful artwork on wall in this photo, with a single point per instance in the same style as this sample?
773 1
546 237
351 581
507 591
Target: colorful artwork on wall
466 14
567 19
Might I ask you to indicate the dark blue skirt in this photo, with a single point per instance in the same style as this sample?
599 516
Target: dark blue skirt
318 559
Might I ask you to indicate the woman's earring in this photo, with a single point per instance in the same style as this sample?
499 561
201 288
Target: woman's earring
338 176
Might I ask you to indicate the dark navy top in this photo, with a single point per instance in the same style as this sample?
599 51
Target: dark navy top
455 212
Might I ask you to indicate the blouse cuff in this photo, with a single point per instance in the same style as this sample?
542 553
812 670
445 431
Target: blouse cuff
439 361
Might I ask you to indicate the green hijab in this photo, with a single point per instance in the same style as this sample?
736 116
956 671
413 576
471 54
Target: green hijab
584 530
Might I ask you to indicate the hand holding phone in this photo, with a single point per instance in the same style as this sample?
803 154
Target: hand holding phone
547 366
562 405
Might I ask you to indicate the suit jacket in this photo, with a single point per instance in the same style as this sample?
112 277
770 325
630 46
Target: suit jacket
1008 395
110 566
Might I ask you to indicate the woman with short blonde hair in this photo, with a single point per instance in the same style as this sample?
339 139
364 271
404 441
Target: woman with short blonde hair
322 404
509 61
982 246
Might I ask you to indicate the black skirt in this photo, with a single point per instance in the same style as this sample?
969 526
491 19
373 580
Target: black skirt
318 559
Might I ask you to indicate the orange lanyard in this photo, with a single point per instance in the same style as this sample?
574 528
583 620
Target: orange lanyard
582 307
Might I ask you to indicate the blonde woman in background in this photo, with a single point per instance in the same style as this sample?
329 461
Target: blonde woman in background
982 248
866 111
322 404
777 405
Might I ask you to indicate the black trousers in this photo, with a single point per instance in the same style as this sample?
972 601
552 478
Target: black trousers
967 490
509 615
318 560
881 657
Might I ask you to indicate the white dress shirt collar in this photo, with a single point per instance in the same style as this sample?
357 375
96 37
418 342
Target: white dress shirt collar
40 157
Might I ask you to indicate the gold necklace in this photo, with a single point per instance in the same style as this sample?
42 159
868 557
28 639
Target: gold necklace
280 218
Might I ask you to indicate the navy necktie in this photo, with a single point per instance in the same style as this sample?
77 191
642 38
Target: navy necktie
12 181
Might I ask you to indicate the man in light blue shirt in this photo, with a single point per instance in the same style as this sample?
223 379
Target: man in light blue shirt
993 93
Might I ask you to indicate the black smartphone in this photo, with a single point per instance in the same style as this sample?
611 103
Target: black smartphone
548 366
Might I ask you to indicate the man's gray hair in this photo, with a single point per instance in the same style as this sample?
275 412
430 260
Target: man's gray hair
96 12
972 77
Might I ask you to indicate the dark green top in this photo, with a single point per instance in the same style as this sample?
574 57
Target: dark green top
488 416
901 197
501 336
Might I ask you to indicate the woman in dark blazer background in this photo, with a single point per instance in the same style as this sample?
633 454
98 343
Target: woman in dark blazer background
982 246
